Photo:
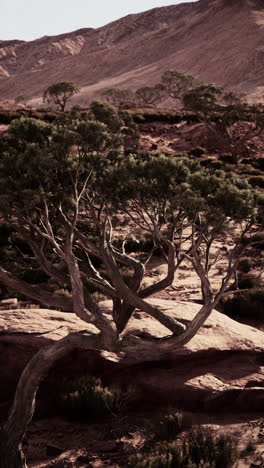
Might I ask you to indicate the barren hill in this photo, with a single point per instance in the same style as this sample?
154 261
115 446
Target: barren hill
219 41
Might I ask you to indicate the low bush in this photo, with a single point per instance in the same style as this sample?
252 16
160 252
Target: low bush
258 240
86 400
227 159
137 244
162 115
212 163
197 152
203 447
172 424
247 304
200 447
244 265
256 181
6 117
246 281
259 163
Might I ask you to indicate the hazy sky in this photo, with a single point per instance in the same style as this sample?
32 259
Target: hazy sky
30 19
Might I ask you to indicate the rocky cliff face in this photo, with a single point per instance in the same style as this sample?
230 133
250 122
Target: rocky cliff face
215 40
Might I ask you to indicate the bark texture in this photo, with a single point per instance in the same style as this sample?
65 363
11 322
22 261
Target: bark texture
13 432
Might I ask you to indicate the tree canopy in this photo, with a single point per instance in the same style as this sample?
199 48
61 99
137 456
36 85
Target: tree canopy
73 193
60 93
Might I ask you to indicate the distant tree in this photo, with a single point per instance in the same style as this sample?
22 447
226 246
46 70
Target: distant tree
203 98
60 93
232 121
177 84
22 99
151 96
118 96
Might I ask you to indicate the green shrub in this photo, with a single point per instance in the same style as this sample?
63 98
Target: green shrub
199 448
244 265
137 244
6 117
162 115
247 304
257 181
211 163
172 424
165 455
248 281
197 152
202 447
259 163
85 399
227 159
258 240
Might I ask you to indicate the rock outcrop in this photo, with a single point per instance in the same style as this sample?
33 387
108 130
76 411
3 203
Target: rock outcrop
222 366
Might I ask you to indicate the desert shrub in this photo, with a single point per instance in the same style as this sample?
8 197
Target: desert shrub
85 399
63 292
34 276
199 448
99 296
258 240
41 110
50 117
172 424
248 281
247 304
257 181
259 163
6 117
76 108
211 163
202 447
164 456
244 265
127 275
142 243
197 152
227 159
207 162
163 115
250 172
246 161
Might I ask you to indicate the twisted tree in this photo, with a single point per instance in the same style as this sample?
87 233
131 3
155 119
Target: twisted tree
151 96
66 189
177 84
60 93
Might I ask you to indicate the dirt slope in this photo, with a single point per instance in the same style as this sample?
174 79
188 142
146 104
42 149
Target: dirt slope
215 40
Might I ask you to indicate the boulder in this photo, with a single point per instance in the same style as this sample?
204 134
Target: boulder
221 367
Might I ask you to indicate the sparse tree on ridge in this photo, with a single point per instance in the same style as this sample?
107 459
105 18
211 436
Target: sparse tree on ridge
177 83
151 95
22 99
60 93
118 97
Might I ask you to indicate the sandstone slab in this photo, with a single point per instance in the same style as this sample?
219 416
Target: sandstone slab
221 367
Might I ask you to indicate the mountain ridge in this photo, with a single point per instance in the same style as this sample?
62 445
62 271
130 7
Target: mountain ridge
214 40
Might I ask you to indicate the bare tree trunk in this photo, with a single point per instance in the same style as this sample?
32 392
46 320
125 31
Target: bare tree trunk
11 456
13 432
35 292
